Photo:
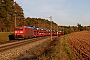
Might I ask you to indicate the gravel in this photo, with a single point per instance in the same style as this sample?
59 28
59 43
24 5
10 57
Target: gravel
23 51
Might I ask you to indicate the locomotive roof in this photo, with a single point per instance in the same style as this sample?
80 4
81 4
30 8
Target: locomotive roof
29 27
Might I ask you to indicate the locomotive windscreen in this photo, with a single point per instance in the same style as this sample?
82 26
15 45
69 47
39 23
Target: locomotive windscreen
18 28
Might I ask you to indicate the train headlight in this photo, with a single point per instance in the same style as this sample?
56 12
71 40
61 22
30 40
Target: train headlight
21 31
15 31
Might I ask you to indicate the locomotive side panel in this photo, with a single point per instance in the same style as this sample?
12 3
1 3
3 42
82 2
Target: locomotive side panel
23 32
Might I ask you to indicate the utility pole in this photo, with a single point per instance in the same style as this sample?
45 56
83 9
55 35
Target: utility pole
51 26
15 19
57 31
15 12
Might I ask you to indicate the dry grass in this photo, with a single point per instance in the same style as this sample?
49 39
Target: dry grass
52 51
4 36
66 48
58 49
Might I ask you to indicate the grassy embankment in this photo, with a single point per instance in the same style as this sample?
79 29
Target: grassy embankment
66 48
58 49
4 36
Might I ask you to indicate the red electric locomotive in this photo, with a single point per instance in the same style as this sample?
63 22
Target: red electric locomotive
23 32
34 31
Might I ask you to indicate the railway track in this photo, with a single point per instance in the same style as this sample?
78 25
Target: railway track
9 45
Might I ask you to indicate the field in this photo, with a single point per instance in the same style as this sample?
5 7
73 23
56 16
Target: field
80 44
74 46
4 36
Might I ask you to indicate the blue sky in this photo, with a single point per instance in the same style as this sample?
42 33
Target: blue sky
63 12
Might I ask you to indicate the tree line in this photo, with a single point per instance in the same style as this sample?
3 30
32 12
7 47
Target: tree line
10 10
70 29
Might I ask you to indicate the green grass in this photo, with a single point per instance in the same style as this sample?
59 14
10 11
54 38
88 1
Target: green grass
66 48
4 36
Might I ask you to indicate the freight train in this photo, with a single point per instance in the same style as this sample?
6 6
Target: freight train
34 31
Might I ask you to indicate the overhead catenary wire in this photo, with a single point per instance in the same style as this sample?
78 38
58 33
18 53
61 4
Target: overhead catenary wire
30 12
26 10
27 15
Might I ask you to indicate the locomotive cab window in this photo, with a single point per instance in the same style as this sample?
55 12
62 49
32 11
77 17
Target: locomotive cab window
18 28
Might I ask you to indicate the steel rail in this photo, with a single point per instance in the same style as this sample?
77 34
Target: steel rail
4 47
